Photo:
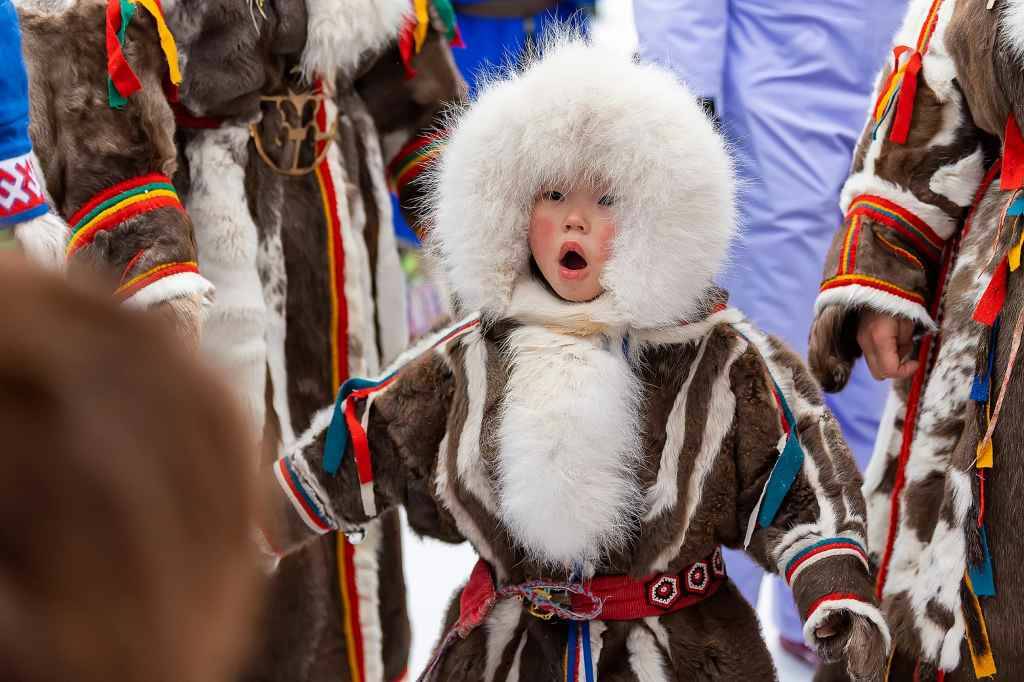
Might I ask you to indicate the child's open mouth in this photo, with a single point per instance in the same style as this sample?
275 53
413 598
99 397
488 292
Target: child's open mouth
572 261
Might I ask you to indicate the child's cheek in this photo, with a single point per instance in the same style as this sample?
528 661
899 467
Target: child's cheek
543 234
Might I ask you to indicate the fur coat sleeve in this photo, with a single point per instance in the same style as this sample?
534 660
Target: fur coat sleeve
88 149
408 420
816 538
915 171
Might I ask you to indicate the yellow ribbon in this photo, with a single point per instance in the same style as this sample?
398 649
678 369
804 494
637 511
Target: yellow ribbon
166 39
422 23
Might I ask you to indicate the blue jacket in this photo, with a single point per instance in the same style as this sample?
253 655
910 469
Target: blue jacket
21 198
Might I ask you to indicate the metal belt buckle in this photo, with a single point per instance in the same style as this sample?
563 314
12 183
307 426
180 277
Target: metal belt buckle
296 135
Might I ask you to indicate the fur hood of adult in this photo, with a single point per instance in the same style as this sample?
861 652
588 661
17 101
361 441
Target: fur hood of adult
575 112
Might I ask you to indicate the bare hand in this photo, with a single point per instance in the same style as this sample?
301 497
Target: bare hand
858 640
887 342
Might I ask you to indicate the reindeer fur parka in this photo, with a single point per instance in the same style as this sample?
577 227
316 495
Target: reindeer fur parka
631 435
85 147
927 238
287 186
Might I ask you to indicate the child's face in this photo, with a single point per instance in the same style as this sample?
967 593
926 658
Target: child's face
571 234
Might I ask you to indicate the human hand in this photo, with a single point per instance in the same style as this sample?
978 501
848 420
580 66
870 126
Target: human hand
887 341
844 634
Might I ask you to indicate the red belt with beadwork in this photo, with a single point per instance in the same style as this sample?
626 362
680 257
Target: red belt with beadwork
613 597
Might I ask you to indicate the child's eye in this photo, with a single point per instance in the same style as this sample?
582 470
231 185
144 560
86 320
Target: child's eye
606 200
553 195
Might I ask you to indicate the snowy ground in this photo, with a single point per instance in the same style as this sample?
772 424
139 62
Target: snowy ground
434 570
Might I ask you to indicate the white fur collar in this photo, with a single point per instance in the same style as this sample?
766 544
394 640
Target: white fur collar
341 32
569 447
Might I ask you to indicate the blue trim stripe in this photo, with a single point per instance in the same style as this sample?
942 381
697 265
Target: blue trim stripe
822 543
307 501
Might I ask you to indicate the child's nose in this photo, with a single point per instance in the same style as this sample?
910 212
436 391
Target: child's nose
575 222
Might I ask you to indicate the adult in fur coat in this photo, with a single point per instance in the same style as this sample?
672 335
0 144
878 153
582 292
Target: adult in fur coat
103 131
923 279
596 453
25 217
289 110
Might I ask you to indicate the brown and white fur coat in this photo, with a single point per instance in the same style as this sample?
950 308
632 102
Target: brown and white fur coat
84 147
630 435
263 241
970 83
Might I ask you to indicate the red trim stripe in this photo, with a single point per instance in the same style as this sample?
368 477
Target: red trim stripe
835 596
120 71
902 220
820 550
156 274
873 283
111 192
299 495
86 237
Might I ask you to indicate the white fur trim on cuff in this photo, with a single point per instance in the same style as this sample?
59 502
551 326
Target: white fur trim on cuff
172 286
860 608
43 239
858 296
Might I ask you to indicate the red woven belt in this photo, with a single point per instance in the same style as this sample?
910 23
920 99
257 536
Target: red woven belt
616 597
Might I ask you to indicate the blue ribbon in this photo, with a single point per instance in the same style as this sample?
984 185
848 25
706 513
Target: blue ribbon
337 433
786 468
1017 207
982 577
981 387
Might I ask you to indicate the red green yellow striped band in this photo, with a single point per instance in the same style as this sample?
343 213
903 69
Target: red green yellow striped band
115 205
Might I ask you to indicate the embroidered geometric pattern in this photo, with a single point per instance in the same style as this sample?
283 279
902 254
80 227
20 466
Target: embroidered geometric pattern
119 203
663 591
303 497
823 549
697 578
718 563
21 195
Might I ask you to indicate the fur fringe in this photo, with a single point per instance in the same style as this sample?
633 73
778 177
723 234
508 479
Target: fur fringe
342 32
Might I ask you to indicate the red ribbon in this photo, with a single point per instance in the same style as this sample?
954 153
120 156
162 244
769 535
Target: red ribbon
120 71
995 295
407 47
905 103
1013 156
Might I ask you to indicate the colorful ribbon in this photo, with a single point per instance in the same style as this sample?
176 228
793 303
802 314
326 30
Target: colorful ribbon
119 203
122 81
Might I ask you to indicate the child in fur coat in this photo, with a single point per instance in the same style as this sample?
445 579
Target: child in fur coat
602 423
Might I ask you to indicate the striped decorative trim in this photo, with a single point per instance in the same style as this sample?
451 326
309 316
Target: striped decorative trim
892 215
872 283
346 553
338 332
301 493
823 549
413 159
899 251
119 203
154 274
832 598
848 258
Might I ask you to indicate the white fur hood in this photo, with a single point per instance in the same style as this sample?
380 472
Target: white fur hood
581 112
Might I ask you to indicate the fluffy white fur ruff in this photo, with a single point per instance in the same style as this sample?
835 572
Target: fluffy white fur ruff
584 113
857 296
340 32
569 447
43 239
1011 26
